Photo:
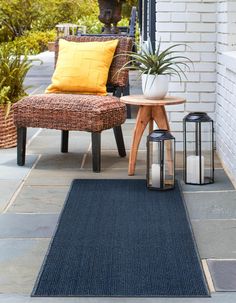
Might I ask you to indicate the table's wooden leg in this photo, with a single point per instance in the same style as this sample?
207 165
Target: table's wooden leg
143 117
150 126
160 117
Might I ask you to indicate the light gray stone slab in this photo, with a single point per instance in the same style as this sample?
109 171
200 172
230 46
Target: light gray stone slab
56 132
52 144
111 159
7 151
39 199
31 132
37 88
223 273
44 177
211 205
7 190
42 88
108 142
216 298
20 261
50 177
115 173
37 83
222 182
7 157
11 171
27 225
216 239
60 162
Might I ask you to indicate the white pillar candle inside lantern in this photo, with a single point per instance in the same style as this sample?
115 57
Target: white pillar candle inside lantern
193 169
160 160
156 175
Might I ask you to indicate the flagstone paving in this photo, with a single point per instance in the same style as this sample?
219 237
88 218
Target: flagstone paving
224 274
31 198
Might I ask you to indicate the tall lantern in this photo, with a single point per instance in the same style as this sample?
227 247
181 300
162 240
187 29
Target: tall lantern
198 149
160 160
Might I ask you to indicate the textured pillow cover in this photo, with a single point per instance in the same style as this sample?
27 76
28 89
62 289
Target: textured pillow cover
82 67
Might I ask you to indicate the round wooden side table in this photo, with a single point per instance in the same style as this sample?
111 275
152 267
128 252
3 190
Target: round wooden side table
149 111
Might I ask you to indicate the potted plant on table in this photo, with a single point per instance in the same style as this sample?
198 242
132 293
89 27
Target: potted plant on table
156 67
13 69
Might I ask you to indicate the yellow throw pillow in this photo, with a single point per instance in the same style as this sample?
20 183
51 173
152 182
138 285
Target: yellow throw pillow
82 67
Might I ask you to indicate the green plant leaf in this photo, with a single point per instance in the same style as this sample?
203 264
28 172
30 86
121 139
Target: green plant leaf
168 61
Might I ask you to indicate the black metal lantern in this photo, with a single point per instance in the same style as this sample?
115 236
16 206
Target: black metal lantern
160 160
198 149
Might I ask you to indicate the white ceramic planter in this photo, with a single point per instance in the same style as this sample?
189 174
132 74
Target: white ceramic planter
155 86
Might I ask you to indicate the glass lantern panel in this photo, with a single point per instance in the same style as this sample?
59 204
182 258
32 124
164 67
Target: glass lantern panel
207 150
198 152
154 164
169 164
191 161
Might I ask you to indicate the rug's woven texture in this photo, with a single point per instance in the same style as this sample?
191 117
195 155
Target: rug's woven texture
116 238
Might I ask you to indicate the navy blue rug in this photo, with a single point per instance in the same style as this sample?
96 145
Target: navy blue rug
116 238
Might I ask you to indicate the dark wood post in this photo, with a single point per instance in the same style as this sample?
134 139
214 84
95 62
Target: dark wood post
152 23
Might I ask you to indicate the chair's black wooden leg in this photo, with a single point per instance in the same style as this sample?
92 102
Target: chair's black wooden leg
126 92
117 92
21 143
96 151
128 108
119 141
64 141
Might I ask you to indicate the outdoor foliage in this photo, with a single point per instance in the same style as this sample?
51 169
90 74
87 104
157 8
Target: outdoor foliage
19 16
126 8
93 25
13 69
27 24
63 11
16 16
32 42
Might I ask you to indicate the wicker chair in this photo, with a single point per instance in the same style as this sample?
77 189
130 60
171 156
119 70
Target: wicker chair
67 112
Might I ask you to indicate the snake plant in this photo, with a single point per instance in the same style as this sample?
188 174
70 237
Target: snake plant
160 62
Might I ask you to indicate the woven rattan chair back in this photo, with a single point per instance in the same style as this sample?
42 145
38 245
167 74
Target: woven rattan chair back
125 44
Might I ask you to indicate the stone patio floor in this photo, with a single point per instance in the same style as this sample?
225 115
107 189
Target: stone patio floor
31 198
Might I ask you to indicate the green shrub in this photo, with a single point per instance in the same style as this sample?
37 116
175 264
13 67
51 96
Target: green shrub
93 25
17 15
124 22
32 43
127 6
20 16
13 69
28 24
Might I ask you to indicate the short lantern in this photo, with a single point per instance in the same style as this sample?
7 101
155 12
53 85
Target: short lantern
198 149
160 160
